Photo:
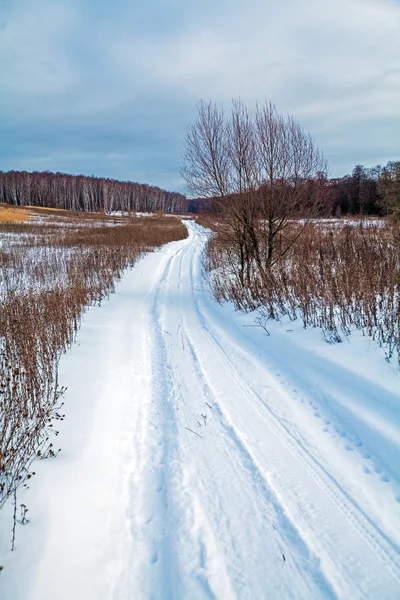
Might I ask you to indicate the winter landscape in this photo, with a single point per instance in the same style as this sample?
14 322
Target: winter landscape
199 301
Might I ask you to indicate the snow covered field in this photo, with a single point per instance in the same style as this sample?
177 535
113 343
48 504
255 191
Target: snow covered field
202 458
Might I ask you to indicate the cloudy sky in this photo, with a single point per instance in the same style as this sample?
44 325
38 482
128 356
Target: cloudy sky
108 88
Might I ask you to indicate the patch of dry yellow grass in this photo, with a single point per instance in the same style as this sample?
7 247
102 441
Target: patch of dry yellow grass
47 208
12 214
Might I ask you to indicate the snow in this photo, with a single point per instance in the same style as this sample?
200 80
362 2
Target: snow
202 458
368 222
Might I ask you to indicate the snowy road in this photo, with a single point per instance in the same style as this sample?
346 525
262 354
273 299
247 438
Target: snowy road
203 459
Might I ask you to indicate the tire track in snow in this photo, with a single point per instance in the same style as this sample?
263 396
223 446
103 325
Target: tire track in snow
200 574
213 517
220 519
149 571
175 509
277 518
358 521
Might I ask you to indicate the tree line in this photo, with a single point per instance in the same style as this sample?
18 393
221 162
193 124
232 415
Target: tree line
83 193
369 191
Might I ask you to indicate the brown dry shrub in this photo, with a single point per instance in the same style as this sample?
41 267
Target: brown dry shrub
335 278
49 274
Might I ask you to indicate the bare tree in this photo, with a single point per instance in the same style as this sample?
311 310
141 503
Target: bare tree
288 160
206 164
257 167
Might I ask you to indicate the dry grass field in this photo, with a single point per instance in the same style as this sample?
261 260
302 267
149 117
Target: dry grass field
53 265
11 214
337 276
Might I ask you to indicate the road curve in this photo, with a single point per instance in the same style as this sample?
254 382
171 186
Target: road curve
196 468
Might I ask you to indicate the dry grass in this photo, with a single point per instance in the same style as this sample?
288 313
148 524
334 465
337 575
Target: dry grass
47 208
9 214
50 271
337 279
208 221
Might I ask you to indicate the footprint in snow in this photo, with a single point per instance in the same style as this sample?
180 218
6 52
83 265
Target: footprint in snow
384 478
154 557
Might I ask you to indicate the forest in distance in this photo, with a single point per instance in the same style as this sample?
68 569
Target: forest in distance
85 194
363 192
366 191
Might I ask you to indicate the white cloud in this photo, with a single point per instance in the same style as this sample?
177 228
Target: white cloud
268 48
333 63
33 48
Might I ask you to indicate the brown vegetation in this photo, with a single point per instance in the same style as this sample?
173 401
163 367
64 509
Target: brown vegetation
9 214
266 182
334 277
50 271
